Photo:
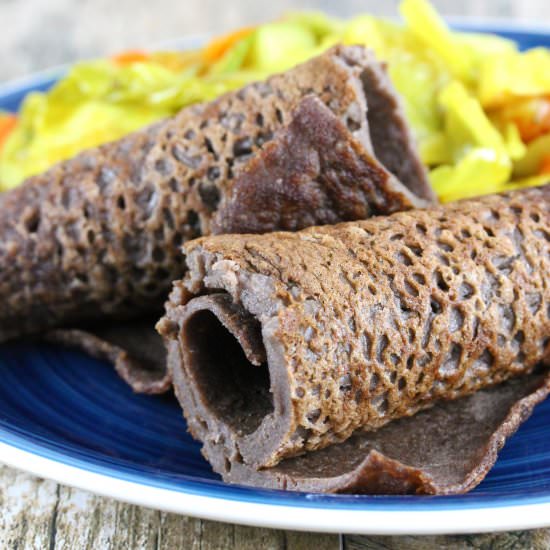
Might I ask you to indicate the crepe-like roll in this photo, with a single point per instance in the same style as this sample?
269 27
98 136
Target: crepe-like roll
132 347
98 236
284 346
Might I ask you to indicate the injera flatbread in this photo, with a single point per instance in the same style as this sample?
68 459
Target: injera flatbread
97 237
285 345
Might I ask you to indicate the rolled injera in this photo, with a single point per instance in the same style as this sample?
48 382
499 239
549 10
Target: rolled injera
302 359
98 237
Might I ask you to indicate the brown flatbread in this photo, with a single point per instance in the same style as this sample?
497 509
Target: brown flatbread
334 331
133 347
98 236
445 450
313 173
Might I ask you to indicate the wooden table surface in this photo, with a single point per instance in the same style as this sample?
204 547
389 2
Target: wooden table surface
40 514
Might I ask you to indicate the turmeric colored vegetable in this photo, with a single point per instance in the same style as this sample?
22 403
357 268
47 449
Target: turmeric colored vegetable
425 23
479 109
504 78
281 45
529 164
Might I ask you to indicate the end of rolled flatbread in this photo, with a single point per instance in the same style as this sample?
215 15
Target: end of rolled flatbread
314 172
391 355
446 450
133 347
98 236
392 138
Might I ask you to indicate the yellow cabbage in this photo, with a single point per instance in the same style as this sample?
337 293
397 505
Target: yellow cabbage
479 109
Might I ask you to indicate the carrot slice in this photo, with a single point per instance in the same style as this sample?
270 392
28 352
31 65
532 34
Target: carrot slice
130 56
533 118
544 167
215 49
7 125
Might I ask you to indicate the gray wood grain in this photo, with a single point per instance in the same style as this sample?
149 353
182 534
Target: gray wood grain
40 514
519 540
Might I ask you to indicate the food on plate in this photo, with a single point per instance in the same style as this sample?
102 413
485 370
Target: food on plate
386 355
476 104
329 339
131 346
98 237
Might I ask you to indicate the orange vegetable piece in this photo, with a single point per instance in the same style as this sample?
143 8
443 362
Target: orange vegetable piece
534 120
215 49
544 167
532 129
7 125
130 56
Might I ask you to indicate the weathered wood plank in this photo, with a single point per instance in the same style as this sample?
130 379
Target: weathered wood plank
27 509
39 514
36 514
517 540
311 541
214 535
179 532
92 522
252 538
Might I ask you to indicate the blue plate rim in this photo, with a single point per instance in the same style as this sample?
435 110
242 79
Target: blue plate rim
272 512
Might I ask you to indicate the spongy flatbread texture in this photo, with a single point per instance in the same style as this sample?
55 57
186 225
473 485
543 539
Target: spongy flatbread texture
313 173
371 321
444 450
99 235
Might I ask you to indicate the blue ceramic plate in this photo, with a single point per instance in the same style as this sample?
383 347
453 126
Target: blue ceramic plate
68 417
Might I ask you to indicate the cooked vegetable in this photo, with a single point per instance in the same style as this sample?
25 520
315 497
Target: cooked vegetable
278 46
479 108
536 154
131 56
531 116
430 30
7 125
507 77
479 157
218 47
